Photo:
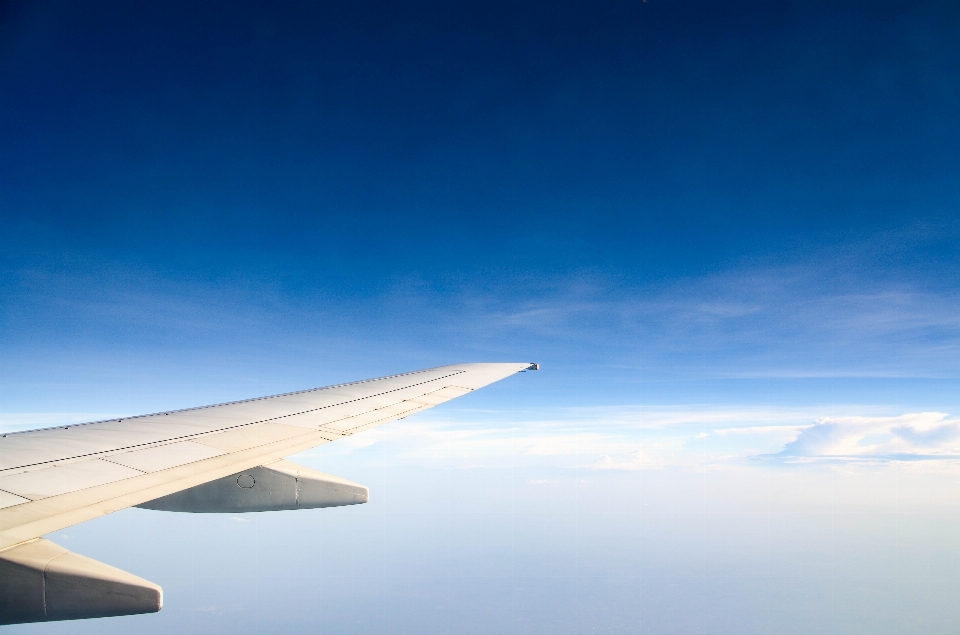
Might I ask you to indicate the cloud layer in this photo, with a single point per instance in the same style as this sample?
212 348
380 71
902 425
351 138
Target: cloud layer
909 436
633 438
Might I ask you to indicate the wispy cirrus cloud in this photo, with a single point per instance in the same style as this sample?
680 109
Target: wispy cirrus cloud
844 311
835 312
790 321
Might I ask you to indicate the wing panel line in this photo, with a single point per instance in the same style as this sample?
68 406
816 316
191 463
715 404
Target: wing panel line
218 430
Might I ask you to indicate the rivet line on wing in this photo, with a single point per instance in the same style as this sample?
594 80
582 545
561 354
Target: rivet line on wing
301 392
286 394
227 428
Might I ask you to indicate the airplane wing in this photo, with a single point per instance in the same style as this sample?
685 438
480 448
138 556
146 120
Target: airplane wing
222 458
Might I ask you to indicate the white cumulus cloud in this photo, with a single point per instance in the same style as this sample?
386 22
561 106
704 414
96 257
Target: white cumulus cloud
908 436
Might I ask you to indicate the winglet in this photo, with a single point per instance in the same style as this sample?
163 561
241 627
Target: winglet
533 367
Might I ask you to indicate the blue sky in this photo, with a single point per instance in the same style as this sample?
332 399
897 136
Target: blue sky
728 232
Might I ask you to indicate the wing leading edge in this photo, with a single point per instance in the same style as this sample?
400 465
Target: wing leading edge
57 477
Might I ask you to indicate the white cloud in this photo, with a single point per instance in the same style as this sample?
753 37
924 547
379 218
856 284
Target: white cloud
610 438
776 430
908 436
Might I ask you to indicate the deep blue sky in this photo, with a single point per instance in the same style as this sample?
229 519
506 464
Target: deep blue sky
401 171
337 145
728 230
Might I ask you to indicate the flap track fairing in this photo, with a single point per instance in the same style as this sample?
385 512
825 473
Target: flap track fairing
277 486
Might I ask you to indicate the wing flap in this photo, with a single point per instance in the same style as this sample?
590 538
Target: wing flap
164 457
251 436
9 500
440 396
61 479
385 414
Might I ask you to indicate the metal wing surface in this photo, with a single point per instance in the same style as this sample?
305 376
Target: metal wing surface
57 477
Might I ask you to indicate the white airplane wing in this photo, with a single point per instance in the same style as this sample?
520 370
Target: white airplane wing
223 458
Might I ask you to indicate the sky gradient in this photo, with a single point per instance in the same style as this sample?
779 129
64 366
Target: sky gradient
728 232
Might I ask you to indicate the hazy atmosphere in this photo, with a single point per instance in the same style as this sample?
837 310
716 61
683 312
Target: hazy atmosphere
728 232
